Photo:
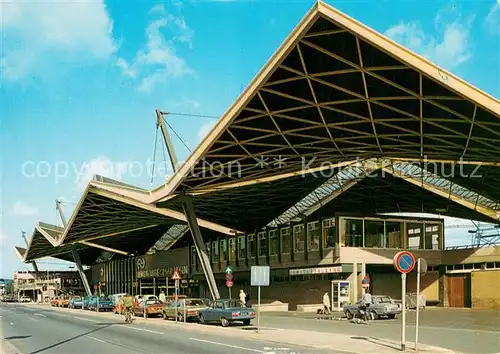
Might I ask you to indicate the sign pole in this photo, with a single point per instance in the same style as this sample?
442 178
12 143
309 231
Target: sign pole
230 293
403 312
418 303
258 311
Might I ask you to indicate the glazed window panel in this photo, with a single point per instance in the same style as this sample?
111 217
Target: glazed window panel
374 234
285 240
353 232
432 236
242 251
329 233
193 256
393 234
273 242
252 246
298 238
215 251
415 235
232 249
209 251
262 243
313 235
223 250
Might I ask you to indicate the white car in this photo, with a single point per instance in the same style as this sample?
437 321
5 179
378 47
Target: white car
24 299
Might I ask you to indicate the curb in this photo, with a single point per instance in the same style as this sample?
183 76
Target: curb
7 347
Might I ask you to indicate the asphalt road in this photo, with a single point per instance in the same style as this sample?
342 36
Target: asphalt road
41 330
461 330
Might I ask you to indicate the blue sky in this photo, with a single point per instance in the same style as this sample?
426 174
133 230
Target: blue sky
80 81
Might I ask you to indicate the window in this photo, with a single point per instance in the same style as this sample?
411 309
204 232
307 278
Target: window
251 246
298 238
262 244
285 240
432 236
215 251
207 247
273 242
415 238
374 234
353 233
223 250
393 234
242 247
329 233
313 234
232 249
193 256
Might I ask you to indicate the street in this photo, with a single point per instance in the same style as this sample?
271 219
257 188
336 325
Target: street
34 329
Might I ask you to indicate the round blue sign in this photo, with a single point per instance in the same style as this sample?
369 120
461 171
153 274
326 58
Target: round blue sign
404 262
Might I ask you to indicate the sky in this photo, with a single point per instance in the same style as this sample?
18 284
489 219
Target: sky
80 82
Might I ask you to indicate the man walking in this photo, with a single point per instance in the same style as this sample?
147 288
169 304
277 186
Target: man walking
243 297
326 303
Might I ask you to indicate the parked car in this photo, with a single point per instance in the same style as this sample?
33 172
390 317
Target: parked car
98 303
381 306
153 307
24 299
75 302
54 301
63 302
183 307
227 311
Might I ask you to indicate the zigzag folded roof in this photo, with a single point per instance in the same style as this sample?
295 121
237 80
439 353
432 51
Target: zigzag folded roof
336 92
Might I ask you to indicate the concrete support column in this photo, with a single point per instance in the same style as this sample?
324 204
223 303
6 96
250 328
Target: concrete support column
354 277
200 246
85 282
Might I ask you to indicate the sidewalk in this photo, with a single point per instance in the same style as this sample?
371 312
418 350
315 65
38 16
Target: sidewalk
337 315
338 343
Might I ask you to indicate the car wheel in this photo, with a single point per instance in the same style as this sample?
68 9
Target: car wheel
224 322
246 322
391 317
349 315
180 317
164 315
202 319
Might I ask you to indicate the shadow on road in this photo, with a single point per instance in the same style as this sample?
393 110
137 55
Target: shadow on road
69 339
16 337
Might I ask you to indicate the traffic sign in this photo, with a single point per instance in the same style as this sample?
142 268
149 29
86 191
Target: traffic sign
229 284
366 280
229 270
229 277
404 262
423 266
176 275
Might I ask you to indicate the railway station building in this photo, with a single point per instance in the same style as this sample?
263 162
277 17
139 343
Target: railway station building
323 169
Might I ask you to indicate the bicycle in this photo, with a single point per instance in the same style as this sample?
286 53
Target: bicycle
128 316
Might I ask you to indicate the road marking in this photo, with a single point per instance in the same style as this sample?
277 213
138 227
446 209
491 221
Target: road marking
227 345
85 319
39 314
11 324
31 318
97 339
140 329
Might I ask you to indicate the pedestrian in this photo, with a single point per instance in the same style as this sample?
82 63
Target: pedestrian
249 304
326 302
162 297
243 297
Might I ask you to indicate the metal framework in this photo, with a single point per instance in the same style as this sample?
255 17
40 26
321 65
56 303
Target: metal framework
169 238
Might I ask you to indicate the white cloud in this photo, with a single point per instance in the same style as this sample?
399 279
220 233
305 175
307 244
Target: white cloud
101 166
449 47
205 129
492 21
158 60
23 209
126 69
40 32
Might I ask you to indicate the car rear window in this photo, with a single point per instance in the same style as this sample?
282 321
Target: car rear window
233 304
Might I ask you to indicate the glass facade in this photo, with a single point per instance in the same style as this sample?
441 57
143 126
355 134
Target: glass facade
375 234
298 238
313 236
242 250
252 246
232 249
285 240
262 244
273 242
329 233
223 250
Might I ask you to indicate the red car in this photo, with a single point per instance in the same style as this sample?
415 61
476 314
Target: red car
153 307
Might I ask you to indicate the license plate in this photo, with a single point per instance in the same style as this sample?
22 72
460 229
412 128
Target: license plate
244 314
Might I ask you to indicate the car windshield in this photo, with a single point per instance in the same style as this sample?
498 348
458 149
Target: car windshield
196 302
383 300
233 303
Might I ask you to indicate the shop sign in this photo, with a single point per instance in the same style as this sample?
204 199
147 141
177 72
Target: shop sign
162 272
322 270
